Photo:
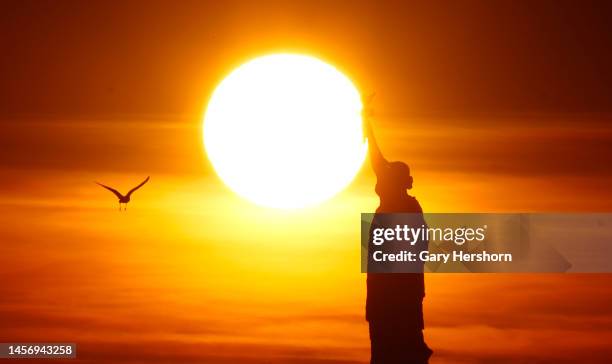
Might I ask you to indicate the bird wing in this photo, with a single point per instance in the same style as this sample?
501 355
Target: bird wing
119 195
137 187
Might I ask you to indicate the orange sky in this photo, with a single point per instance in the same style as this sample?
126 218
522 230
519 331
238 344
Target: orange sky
193 272
495 108
98 59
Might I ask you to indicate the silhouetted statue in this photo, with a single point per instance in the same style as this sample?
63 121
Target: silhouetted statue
394 304
124 199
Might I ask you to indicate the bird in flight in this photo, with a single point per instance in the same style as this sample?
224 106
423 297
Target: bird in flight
124 199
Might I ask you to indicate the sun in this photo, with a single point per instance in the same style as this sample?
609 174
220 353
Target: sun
285 131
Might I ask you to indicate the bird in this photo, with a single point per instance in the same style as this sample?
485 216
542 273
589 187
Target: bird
124 199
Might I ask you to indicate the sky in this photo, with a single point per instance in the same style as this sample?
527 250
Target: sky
72 58
499 107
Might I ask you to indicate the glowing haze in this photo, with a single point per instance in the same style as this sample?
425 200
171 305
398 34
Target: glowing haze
285 131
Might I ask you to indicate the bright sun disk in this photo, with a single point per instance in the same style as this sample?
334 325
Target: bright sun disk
285 131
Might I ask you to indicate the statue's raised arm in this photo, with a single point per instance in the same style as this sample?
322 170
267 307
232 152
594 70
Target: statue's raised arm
378 161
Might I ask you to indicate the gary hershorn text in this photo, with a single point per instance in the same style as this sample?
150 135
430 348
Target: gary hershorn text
455 256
